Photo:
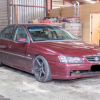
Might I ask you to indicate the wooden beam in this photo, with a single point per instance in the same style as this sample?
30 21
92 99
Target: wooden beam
28 5
12 12
16 14
63 2
9 12
81 1
58 1
85 2
49 6
70 1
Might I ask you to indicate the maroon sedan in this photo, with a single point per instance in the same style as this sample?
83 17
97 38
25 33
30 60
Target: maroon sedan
48 52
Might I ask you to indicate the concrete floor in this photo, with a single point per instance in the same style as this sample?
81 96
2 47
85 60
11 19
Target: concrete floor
18 85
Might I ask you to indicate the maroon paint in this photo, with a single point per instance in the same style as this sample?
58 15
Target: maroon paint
51 51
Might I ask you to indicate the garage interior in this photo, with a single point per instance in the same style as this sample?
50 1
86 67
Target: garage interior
80 17
18 11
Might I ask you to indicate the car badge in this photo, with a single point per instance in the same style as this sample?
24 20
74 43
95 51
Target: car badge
96 58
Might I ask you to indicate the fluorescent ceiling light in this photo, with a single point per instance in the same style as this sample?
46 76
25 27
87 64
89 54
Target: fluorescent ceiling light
93 2
87 0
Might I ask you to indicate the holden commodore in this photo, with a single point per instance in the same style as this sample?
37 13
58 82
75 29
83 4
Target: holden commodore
48 52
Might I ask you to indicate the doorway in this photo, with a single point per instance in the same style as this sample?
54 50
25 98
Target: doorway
95 28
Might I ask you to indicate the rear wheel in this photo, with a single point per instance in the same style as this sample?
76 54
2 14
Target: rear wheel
41 69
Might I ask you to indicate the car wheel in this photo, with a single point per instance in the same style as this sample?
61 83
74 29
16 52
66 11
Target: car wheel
41 69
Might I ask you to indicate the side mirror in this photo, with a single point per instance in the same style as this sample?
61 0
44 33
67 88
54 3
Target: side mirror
21 40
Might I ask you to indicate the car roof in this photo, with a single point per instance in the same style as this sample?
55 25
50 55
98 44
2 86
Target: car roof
26 25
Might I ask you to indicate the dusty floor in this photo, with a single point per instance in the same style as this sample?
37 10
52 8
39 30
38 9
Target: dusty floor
18 85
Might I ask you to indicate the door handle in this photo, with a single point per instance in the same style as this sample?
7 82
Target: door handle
10 46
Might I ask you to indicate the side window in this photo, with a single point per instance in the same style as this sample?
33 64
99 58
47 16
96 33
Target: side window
7 33
20 33
1 33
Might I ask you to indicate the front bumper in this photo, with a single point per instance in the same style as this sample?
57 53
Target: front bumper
68 71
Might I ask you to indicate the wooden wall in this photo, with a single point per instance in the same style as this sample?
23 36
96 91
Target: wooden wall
54 12
85 11
66 12
95 8
57 3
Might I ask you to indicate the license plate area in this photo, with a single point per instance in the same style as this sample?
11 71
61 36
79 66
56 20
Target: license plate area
84 72
95 68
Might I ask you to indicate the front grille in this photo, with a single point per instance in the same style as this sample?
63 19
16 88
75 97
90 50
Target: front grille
93 58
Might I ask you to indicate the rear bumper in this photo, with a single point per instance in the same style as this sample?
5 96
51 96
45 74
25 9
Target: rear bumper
67 71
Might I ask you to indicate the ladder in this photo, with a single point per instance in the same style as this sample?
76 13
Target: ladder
76 10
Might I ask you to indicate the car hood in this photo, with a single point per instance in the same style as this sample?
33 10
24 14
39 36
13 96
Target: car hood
72 48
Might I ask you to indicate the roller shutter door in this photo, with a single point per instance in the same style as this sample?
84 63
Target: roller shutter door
3 14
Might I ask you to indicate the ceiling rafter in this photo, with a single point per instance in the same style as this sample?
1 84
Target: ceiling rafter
83 1
71 1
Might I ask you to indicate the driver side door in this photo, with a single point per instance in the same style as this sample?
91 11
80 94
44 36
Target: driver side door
18 50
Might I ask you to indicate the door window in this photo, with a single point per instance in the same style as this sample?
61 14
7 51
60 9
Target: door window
20 33
7 33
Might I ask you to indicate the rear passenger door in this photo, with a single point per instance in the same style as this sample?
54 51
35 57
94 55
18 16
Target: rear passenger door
5 37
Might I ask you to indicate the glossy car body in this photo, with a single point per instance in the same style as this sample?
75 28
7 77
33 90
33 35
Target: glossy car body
21 55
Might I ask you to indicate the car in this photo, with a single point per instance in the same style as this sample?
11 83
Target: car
48 52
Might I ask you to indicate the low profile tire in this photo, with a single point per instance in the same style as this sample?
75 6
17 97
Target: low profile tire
41 69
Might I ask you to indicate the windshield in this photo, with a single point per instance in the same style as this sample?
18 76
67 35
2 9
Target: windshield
44 33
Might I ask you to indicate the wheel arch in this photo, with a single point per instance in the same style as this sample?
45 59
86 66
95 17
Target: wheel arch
34 59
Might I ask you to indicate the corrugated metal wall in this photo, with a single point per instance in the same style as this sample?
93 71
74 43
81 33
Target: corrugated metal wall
3 14
27 13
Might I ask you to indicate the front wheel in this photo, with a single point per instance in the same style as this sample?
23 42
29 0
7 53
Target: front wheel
41 69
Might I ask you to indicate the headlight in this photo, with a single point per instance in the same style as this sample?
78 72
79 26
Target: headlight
68 59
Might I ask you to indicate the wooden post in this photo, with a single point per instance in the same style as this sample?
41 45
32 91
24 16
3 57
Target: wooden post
63 2
16 14
49 6
12 12
9 12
